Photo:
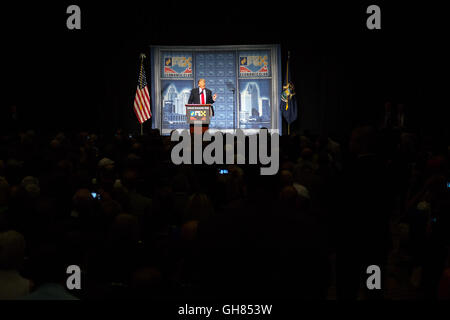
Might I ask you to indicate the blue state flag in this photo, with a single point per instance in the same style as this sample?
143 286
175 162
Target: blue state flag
288 99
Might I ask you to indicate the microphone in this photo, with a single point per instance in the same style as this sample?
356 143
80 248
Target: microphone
230 86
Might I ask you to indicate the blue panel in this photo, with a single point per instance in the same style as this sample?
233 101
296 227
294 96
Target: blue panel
219 71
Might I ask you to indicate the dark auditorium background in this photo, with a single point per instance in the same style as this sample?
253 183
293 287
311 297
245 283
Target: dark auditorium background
343 72
183 231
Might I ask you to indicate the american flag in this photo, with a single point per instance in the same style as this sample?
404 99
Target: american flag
142 98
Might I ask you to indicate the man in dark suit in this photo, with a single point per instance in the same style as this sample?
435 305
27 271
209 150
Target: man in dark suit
202 95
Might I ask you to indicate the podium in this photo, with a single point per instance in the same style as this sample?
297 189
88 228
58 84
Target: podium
198 115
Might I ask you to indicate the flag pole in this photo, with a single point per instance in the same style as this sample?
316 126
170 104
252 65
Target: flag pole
287 83
142 56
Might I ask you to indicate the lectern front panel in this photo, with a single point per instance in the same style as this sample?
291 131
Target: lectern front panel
198 113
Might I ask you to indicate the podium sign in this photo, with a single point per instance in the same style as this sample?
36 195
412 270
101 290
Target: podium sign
198 113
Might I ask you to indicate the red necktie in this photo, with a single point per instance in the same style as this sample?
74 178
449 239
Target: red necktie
203 96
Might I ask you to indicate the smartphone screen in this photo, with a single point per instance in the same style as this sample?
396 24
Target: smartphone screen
95 195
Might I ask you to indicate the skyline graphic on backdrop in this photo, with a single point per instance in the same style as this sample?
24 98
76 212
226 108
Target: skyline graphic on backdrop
255 109
174 98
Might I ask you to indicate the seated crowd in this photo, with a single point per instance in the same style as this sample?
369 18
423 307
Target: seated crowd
139 226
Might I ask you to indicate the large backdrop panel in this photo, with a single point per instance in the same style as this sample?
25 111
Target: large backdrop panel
247 80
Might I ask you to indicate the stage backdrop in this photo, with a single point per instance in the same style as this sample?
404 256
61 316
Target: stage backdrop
247 80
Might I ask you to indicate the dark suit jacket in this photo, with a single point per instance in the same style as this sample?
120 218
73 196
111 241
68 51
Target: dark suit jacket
194 98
